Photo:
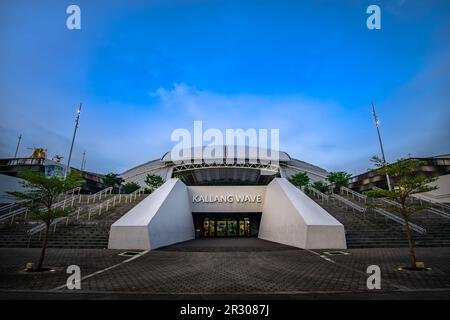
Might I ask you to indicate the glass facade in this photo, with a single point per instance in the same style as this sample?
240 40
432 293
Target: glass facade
212 225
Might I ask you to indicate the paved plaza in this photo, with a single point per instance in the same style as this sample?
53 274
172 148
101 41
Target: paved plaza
226 268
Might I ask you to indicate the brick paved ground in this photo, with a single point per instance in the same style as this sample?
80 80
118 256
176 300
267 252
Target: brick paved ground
247 268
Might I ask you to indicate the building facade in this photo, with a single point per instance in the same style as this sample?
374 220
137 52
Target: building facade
206 197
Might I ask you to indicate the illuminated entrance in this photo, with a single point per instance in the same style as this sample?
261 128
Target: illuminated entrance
219 225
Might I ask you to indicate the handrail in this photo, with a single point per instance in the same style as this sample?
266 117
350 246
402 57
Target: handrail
99 194
432 203
396 218
72 192
349 203
319 194
60 204
22 209
431 208
13 214
11 207
439 212
391 202
360 197
112 202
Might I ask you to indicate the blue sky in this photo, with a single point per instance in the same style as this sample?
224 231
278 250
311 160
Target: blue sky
145 68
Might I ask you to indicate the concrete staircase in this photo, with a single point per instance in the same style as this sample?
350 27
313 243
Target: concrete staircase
367 230
373 230
81 233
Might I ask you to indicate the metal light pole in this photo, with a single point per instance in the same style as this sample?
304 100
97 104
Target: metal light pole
377 122
17 148
83 161
73 140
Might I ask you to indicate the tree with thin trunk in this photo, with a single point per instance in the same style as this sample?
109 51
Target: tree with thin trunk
40 196
405 183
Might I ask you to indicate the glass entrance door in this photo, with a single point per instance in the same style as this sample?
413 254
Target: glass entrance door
244 228
221 228
211 225
232 228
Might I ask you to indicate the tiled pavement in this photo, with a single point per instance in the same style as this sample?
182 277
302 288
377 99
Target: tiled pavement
229 267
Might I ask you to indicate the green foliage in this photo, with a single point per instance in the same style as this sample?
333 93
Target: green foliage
405 182
112 180
42 193
339 179
153 181
130 187
321 186
300 179
42 190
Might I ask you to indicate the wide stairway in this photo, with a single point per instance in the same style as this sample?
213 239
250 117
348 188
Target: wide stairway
366 230
369 228
88 227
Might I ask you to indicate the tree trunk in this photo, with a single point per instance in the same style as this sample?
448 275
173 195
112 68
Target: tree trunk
44 246
412 255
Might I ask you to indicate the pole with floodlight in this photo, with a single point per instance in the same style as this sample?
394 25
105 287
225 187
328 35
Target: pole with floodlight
17 148
73 140
377 122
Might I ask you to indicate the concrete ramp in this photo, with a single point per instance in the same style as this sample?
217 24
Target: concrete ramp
161 219
290 217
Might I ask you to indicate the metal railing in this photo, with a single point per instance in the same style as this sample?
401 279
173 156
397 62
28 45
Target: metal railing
98 195
112 202
430 203
102 207
443 208
388 202
318 194
69 202
349 203
22 161
355 195
73 191
13 214
11 207
439 213
391 202
393 217
24 209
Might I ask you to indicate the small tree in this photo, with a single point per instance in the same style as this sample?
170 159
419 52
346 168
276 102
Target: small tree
42 193
300 180
153 181
112 180
405 183
339 179
130 187
321 186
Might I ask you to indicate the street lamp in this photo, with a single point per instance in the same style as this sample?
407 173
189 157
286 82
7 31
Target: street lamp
73 140
377 122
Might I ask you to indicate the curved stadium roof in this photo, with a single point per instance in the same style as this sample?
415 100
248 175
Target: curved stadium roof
203 166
